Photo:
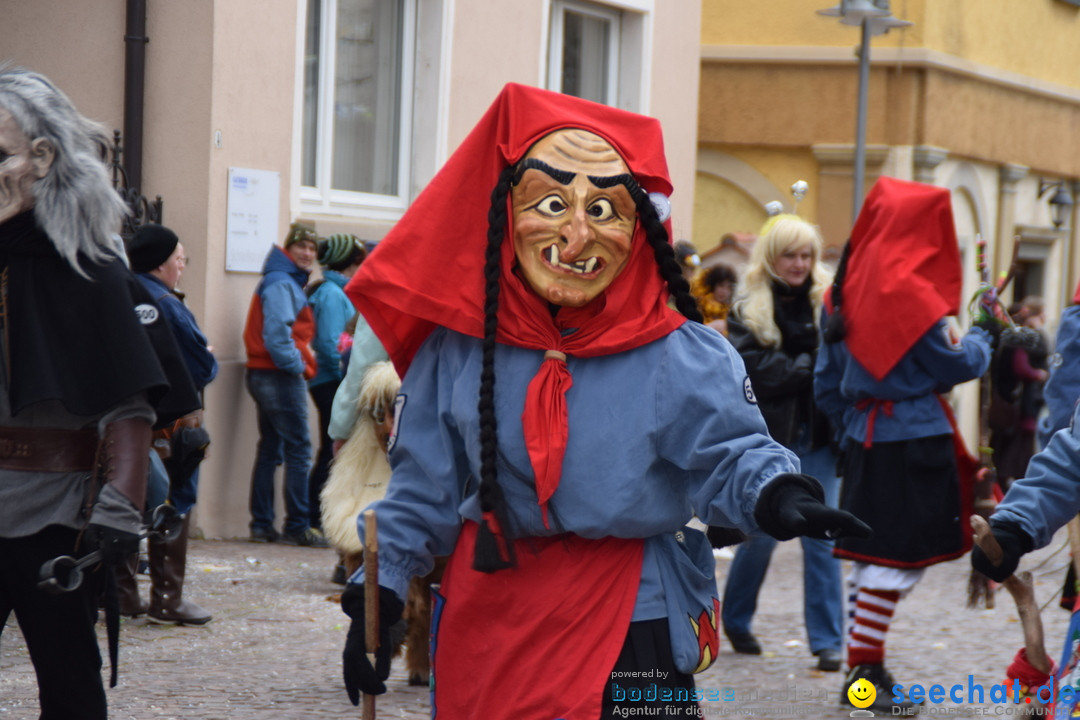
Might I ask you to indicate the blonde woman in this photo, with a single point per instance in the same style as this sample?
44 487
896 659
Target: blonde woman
773 326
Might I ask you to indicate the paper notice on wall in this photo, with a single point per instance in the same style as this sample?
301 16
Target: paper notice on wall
252 226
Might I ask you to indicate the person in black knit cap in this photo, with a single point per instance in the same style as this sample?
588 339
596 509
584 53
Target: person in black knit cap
158 256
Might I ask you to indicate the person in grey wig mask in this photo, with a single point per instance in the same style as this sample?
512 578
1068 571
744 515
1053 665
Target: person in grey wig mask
89 367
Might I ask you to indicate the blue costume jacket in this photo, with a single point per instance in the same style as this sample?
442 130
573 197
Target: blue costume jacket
1048 496
657 434
846 392
1063 387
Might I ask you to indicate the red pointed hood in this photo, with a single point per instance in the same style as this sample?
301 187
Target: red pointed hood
903 271
428 271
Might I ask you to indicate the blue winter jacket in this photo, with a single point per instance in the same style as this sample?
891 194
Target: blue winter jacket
279 324
332 309
200 362
657 434
904 402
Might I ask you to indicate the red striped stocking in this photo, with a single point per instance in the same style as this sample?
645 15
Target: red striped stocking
873 611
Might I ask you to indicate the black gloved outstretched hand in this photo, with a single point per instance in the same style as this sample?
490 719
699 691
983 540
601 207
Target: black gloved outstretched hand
359 675
791 505
1014 543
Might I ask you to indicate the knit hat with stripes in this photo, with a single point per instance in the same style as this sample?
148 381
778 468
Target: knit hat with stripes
338 250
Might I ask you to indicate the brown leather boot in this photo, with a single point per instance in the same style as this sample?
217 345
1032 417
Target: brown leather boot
168 562
127 587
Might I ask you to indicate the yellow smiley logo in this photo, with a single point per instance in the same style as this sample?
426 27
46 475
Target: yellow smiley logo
861 693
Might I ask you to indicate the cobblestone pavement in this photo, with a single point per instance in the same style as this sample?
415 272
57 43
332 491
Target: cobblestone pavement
273 649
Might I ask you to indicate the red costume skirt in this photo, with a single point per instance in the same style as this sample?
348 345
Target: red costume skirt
536 641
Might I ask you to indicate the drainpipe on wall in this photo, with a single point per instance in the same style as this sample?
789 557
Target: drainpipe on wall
134 90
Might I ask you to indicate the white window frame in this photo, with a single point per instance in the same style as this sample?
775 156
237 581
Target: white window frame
322 199
630 48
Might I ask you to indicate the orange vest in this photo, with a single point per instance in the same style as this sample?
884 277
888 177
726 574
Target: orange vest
303 330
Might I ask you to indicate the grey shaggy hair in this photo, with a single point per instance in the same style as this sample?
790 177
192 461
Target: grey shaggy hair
75 203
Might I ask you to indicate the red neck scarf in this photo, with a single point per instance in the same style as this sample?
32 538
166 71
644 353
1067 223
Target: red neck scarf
428 271
903 272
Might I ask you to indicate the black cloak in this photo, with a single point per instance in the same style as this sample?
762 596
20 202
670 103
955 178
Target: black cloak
89 343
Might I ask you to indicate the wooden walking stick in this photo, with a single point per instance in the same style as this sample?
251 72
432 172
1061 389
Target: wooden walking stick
1023 592
371 601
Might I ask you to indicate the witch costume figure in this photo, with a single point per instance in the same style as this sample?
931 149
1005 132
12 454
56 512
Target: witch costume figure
558 425
880 376
89 366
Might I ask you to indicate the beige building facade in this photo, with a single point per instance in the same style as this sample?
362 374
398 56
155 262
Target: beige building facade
978 96
345 108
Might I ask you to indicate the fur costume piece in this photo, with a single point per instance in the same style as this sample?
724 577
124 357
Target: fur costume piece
359 475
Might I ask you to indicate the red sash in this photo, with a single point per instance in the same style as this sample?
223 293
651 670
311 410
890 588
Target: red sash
536 641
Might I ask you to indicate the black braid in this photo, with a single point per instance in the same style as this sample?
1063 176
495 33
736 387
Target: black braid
670 270
491 496
834 330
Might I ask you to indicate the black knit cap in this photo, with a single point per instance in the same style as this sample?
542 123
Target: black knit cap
151 246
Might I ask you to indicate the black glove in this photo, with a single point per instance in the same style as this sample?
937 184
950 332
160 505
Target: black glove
115 526
359 675
116 546
722 537
1014 542
791 505
992 326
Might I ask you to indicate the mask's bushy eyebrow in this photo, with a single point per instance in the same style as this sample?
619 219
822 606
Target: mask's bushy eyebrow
563 177
625 179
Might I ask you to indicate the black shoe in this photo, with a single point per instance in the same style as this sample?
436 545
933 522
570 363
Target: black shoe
261 535
882 680
306 538
829 660
338 576
743 643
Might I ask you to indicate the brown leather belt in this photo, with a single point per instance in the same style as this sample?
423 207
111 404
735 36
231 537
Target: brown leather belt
47 449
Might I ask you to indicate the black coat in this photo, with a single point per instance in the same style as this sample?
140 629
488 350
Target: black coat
89 342
783 382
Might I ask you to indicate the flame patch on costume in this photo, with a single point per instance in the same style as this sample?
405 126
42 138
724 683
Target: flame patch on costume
952 336
707 630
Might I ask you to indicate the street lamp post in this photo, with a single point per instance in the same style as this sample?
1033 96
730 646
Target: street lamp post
873 18
860 122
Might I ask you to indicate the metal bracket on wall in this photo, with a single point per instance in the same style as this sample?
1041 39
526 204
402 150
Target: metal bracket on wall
142 210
